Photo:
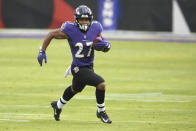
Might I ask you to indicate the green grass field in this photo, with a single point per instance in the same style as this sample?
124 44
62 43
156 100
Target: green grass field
150 86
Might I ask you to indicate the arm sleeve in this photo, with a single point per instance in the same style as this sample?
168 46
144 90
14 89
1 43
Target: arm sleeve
100 28
101 45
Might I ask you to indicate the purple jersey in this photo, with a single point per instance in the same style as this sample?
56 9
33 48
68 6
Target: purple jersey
81 43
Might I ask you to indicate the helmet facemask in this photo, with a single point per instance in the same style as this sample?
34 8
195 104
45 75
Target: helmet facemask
83 12
84 27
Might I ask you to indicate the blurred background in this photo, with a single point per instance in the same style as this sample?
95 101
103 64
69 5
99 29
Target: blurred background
141 17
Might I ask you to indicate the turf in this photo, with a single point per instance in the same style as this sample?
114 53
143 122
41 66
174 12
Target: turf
150 86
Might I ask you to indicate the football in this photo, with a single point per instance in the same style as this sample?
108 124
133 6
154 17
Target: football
97 39
95 42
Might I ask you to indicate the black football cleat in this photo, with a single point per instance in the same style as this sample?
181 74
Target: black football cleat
57 111
104 117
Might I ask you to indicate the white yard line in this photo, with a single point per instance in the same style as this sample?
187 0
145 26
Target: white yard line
83 107
97 121
65 118
123 95
156 122
147 100
136 97
14 120
19 114
26 106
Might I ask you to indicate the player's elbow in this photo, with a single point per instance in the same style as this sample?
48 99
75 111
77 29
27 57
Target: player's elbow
50 35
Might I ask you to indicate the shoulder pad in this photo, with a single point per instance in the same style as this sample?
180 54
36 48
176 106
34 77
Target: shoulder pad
95 22
97 25
67 25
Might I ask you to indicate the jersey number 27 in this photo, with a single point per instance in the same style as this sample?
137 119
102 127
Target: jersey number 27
80 46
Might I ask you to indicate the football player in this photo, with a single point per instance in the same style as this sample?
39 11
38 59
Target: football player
84 36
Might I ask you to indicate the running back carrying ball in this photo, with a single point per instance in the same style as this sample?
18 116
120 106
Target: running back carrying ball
84 36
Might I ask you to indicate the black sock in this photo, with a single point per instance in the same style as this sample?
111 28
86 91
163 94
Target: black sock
100 96
68 94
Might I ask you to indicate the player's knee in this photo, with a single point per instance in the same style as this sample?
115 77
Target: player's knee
101 86
74 91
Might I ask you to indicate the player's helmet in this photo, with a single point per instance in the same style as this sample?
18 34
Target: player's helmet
83 11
